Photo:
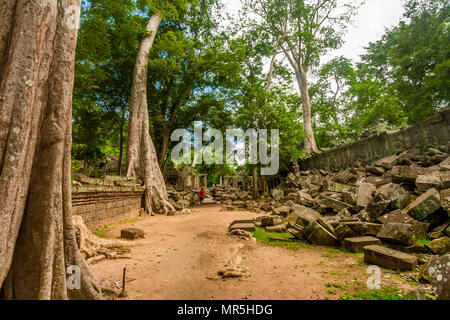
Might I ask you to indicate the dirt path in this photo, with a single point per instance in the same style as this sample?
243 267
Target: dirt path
181 255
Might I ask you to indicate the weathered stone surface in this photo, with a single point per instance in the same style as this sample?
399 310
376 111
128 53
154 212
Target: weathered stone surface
388 162
437 272
400 233
305 199
277 194
445 179
326 224
378 171
297 231
282 211
243 226
132 233
358 243
388 258
306 216
242 234
269 221
409 174
277 228
343 231
364 193
398 216
397 196
334 203
266 207
345 177
445 165
445 200
377 205
428 181
317 234
439 246
364 228
424 205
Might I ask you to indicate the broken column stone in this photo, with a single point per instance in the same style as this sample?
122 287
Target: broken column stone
389 258
277 228
306 216
297 231
358 243
400 233
317 234
424 205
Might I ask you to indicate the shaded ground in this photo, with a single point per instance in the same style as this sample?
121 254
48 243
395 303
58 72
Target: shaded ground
181 255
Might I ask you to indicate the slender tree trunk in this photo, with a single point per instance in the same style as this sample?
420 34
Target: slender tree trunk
141 154
37 236
122 125
272 65
310 142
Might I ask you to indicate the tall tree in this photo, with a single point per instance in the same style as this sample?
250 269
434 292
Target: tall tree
308 29
141 153
37 237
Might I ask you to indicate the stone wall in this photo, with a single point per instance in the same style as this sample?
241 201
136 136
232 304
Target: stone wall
434 131
100 207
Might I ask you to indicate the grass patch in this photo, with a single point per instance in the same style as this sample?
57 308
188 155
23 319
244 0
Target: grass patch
424 241
388 293
264 237
128 221
101 232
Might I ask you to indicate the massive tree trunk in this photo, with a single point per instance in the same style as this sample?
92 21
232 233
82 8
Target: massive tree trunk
141 154
310 142
37 237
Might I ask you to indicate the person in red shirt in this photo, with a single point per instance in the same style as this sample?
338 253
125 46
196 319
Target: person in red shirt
201 194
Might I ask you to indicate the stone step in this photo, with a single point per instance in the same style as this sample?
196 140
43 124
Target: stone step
388 258
358 243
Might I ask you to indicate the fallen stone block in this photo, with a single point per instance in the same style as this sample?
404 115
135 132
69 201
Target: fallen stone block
397 196
428 181
424 205
297 231
388 162
317 234
377 171
268 221
439 246
445 200
364 228
132 233
276 239
278 228
388 258
398 216
243 226
343 231
400 233
377 206
364 193
357 244
445 165
307 216
437 272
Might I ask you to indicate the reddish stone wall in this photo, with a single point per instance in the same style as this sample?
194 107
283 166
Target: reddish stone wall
433 131
101 208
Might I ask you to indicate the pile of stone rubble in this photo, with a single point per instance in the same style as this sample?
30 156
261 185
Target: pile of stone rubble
396 210
182 199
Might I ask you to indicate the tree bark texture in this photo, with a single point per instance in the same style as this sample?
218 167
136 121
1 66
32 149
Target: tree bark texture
141 155
37 236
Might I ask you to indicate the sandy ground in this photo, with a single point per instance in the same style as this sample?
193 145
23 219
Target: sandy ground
181 255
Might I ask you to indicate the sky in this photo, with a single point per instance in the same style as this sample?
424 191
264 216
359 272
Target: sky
373 18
